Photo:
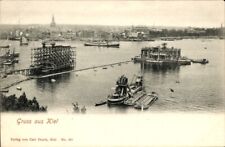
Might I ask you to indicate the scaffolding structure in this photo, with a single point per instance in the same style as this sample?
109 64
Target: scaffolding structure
52 59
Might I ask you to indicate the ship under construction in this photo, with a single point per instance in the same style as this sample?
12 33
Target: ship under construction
52 58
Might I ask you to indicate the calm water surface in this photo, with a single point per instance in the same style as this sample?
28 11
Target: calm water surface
200 87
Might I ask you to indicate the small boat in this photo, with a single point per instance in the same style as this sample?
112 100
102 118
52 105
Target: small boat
19 88
76 107
201 61
4 76
102 102
5 46
9 62
104 68
16 61
83 109
4 90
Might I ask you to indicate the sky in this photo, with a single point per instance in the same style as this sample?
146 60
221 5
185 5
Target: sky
148 13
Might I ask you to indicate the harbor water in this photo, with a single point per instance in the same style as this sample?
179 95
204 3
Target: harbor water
196 87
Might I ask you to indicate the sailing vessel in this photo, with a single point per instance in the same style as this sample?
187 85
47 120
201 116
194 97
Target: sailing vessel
5 46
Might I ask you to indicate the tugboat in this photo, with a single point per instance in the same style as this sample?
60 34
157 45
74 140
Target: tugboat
124 91
137 85
121 92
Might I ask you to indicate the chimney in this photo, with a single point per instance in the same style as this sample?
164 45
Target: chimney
43 44
53 44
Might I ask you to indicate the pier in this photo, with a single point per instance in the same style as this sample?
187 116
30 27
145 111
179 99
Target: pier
82 69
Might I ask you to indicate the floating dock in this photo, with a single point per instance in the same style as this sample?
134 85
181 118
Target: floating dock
161 56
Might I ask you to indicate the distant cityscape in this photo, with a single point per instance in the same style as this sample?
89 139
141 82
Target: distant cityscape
59 32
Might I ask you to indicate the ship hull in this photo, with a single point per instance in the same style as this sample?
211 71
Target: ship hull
115 101
102 44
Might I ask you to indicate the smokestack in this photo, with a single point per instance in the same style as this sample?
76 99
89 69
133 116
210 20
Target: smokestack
43 44
53 44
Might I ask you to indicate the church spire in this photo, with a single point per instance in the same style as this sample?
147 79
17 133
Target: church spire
53 24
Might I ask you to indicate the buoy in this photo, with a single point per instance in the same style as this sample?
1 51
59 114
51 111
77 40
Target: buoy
18 88
171 90
53 80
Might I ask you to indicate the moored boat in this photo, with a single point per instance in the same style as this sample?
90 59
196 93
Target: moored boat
201 61
137 85
120 93
102 102
102 44
5 46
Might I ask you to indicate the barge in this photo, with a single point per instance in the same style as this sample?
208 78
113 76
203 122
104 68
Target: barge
146 101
